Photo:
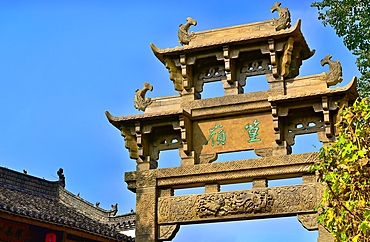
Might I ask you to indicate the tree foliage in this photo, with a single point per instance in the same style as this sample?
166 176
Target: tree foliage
345 170
351 20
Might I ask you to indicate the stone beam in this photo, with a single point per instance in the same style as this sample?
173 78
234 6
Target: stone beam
237 205
276 167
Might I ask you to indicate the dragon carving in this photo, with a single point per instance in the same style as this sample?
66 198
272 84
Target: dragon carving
140 101
184 36
335 71
283 22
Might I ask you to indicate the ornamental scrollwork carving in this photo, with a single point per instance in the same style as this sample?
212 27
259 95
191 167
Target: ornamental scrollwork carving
231 205
176 208
263 152
304 125
335 71
168 232
257 67
214 73
145 214
218 205
146 179
283 22
175 74
184 36
140 102
207 158
294 199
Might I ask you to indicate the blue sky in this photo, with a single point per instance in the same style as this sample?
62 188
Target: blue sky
63 63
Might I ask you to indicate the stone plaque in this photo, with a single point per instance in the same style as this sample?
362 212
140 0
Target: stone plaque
234 133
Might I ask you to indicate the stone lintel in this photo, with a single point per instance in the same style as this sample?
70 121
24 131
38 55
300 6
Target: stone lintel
230 206
227 172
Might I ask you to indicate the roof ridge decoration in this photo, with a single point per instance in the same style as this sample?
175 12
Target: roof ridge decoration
184 36
335 71
283 22
62 178
140 101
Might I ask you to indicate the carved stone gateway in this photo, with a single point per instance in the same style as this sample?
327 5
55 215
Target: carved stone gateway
200 129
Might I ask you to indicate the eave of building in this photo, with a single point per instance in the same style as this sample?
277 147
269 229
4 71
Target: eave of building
349 90
236 35
73 230
118 121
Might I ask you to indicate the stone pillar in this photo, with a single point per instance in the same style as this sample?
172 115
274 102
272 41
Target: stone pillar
146 207
324 235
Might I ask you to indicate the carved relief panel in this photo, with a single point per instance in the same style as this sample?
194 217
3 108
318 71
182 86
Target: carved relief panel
244 204
252 64
208 70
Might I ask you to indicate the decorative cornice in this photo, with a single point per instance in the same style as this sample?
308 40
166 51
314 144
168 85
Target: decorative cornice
230 35
350 88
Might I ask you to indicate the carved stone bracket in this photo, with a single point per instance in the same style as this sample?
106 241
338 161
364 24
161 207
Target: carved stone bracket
287 58
207 158
273 58
140 101
275 120
130 143
335 71
308 221
168 232
263 152
229 65
175 74
283 22
327 118
184 36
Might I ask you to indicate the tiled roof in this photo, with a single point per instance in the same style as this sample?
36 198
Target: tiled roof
228 35
48 208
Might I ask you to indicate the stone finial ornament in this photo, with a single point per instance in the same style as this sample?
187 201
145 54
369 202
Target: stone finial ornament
62 178
335 71
184 36
283 22
140 101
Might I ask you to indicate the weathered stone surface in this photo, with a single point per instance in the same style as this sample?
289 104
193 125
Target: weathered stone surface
261 202
266 121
